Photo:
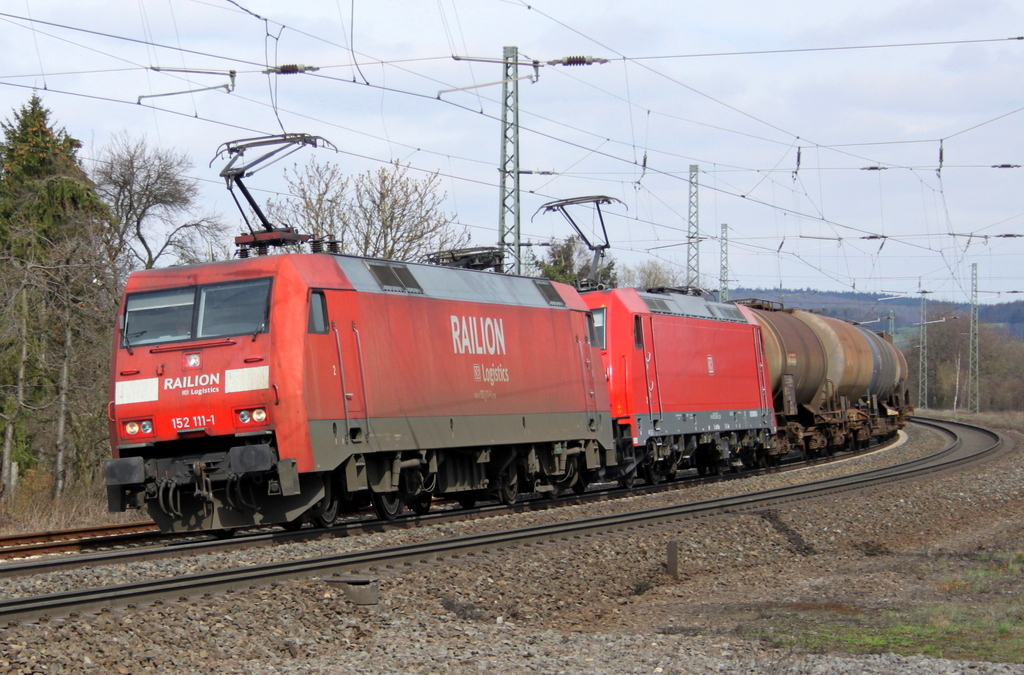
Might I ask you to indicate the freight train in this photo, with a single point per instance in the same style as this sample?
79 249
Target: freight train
282 389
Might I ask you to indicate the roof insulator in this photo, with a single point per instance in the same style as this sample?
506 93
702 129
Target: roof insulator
576 61
291 69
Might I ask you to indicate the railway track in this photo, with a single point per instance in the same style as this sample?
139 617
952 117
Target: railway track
967 444
77 539
124 544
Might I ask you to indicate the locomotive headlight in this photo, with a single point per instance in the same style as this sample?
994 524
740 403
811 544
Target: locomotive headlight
131 428
258 415
146 426
245 416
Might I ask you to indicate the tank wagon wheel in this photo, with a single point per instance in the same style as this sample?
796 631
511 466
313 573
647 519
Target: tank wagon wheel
295 525
626 480
466 502
387 505
420 505
223 534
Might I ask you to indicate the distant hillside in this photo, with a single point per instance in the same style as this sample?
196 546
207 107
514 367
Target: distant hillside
864 307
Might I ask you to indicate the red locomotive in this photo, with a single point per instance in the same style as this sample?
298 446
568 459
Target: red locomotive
687 381
268 389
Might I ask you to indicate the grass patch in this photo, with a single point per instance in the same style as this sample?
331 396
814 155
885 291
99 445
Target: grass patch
964 637
981 618
975 617
936 632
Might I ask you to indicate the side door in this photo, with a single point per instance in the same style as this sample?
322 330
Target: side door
322 377
651 366
347 346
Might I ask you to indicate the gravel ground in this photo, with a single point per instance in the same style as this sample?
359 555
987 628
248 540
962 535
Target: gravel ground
595 605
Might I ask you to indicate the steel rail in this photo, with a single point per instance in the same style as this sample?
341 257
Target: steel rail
174 545
184 587
77 539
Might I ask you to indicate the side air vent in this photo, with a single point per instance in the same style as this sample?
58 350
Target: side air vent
727 312
550 294
394 277
658 305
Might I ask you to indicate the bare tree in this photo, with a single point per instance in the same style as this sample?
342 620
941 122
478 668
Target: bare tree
651 274
154 203
316 202
377 214
397 217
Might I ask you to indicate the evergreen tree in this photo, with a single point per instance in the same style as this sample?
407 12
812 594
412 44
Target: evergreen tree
50 222
568 261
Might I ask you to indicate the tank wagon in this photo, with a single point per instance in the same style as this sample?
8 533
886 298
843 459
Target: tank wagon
282 388
835 385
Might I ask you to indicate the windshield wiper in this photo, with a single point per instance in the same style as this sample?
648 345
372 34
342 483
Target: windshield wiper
262 324
127 344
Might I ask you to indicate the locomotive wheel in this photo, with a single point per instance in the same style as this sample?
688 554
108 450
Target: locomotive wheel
421 505
508 493
326 512
654 475
387 505
553 492
330 513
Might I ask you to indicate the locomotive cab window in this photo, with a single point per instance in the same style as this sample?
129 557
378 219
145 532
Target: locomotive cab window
236 308
318 313
595 321
193 312
638 331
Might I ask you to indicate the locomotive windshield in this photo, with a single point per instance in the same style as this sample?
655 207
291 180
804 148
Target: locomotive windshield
194 312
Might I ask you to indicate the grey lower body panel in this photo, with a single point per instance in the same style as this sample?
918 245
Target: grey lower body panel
703 422
332 447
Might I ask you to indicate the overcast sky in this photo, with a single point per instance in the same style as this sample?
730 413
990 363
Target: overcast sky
742 89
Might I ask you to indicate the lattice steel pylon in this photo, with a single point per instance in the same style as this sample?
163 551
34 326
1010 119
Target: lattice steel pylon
509 212
723 282
973 362
693 235
922 363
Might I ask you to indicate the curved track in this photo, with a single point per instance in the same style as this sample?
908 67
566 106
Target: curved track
132 543
967 445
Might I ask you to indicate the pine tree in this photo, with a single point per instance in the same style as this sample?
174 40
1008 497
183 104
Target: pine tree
568 261
50 222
